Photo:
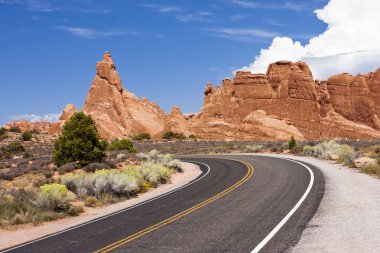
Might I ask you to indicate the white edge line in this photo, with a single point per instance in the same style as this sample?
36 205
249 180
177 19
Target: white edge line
111 214
292 211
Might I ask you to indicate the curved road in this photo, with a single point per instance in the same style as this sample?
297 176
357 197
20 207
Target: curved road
230 208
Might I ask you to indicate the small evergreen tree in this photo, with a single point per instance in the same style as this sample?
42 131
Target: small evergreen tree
79 142
292 143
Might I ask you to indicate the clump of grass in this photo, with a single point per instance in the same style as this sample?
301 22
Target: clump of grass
373 169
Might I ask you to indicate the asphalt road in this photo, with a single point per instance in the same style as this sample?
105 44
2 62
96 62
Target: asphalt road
198 218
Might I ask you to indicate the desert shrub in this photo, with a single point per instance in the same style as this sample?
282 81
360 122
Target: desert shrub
92 167
155 173
154 156
173 135
346 155
68 167
79 141
193 137
142 136
325 149
26 155
373 169
3 137
292 143
34 131
15 129
26 136
3 131
15 147
122 145
16 208
253 148
91 201
308 150
54 197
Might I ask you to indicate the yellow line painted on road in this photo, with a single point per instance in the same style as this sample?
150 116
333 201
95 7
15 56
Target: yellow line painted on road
183 213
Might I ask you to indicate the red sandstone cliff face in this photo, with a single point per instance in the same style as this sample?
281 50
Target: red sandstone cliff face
288 92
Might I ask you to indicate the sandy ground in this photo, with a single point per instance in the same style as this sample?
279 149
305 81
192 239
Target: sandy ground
348 218
10 238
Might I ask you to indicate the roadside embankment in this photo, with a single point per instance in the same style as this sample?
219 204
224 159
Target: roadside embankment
27 233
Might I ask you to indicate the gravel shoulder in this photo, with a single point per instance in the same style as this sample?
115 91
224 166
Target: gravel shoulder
348 218
10 238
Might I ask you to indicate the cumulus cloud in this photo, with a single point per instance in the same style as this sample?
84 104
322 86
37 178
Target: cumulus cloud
34 117
351 42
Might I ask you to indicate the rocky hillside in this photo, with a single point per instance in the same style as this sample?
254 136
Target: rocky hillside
283 102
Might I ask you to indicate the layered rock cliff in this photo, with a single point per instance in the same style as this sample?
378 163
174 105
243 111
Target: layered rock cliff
289 93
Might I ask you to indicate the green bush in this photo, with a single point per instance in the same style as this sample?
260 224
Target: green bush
122 145
292 143
140 137
26 136
3 131
12 149
15 129
15 147
173 135
79 142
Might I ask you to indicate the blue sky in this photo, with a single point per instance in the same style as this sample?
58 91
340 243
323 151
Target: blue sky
164 50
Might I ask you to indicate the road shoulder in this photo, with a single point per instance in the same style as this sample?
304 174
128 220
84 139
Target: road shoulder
9 238
348 217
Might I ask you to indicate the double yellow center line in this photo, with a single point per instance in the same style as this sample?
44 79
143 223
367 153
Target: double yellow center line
181 214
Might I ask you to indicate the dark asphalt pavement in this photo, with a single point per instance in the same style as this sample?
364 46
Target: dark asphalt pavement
236 222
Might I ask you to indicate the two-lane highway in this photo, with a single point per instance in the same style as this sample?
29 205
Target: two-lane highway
230 208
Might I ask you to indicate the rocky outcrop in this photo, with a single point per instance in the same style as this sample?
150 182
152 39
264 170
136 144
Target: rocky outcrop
117 112
289 94
65 115
24 125
176 121
351 98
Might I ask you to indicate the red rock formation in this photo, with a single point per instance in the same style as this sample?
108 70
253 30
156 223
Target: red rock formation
23 125
117 112
351 97
65 115
289 92
283 102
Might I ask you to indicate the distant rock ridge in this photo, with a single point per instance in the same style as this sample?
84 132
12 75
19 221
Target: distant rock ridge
283 102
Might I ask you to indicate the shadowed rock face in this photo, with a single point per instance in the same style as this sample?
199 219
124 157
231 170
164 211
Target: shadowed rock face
344 106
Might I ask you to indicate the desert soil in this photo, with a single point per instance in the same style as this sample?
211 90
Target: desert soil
27 233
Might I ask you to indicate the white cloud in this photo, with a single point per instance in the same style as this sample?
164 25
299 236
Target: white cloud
162 8
202 16
34 117
241 34
87 33
351 42
275 6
